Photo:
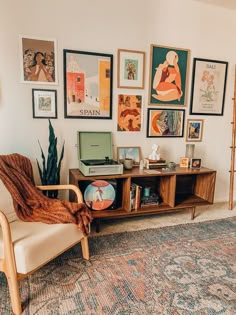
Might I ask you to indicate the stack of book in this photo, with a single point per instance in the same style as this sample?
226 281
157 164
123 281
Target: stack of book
153 199
135 196
151 164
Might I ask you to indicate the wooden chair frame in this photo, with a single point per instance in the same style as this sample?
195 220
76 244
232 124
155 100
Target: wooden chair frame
8 262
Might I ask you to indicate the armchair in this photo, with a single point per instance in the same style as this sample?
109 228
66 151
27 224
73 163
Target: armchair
27 246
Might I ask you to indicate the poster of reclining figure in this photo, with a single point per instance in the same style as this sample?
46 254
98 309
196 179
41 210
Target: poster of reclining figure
168 76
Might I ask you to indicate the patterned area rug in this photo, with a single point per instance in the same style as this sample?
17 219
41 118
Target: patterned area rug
180 270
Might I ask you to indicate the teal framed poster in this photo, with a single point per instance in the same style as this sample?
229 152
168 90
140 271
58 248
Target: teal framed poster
168 75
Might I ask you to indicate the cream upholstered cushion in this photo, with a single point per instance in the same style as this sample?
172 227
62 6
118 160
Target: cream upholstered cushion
36 242
6 203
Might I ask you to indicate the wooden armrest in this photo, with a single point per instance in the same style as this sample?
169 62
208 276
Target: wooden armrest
7 245
61 187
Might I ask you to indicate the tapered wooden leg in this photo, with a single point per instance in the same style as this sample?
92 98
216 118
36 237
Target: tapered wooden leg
97 222
14 294
85 248
193 213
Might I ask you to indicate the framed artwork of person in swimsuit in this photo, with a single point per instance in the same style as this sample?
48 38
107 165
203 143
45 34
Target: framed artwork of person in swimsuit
168 75
165 122
38 60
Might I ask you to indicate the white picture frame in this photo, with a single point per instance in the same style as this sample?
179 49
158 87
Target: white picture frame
130 69
44 103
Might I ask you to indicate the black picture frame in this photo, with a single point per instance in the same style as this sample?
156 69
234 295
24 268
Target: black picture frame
208 87
88 82
44 103
165 122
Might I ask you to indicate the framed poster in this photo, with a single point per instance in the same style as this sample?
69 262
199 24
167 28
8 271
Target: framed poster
194 130
133 153
168 75
130 109
165 122
38 60
131 66
208 87
44 103
87 84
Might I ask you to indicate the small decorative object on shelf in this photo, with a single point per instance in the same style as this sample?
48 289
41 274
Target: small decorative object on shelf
195 163
172 166
189 153
184 162
128 163
141 165
154 156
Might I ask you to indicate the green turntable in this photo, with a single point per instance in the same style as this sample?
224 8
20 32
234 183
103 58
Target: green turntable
95 154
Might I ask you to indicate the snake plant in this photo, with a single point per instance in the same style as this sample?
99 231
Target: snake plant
50 170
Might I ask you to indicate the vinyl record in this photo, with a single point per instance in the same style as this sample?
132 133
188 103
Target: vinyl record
99 195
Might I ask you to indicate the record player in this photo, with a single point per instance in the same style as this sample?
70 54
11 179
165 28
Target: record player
95 154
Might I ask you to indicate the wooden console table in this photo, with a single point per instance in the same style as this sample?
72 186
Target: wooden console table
184 188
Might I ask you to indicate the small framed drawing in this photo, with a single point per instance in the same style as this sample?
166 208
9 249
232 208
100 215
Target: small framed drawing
130 109
208 87
131 66
87 84
195 163
184 162
168 75
38 60
44 103
165 122
129 153
194 130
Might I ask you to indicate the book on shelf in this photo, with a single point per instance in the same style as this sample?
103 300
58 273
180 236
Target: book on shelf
150 164
135 196
153 199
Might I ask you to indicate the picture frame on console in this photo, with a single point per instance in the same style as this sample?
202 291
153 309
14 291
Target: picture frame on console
208 87
133 153
168 75
165 122
88 81
44 103
38 62
184 162
130 69
195 163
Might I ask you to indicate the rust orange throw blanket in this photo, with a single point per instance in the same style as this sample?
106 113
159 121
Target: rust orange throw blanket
30 204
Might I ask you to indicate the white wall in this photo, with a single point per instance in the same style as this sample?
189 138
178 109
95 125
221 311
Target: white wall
104 26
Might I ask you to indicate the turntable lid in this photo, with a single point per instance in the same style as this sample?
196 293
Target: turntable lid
94 145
